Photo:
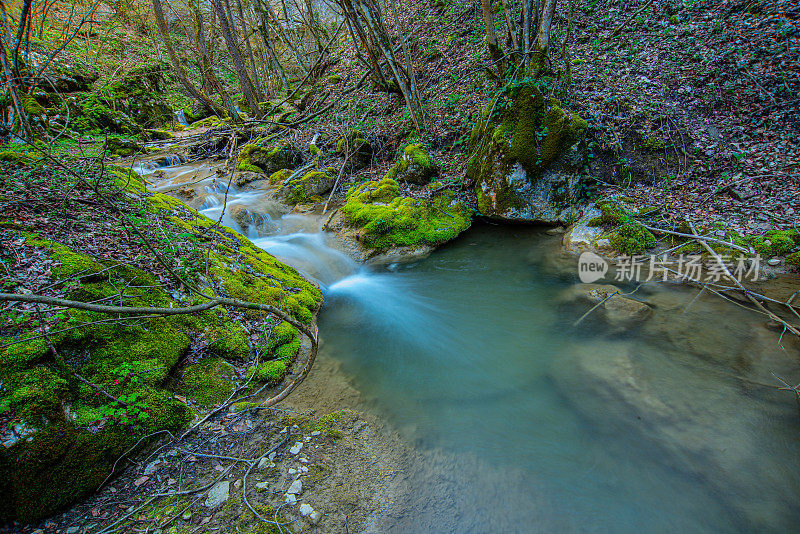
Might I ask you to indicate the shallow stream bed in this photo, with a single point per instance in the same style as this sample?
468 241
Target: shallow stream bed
522 422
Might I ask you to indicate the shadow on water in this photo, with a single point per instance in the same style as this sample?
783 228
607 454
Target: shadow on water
523 423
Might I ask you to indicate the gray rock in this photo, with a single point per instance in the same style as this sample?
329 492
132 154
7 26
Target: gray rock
296 448
218 494
290 499
295 488
306 510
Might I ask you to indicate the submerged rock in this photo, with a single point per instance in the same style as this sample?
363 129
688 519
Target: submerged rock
528 158
618 311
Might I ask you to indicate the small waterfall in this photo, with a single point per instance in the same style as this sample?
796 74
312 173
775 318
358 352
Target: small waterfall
180 116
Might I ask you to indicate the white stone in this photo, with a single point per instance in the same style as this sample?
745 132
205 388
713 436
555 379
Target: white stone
304 469
261 485
271 456
315 517
218 494
306 510
292 471
296 447
263 463
296 487
290 499
316 433
187 515
303 460
774 261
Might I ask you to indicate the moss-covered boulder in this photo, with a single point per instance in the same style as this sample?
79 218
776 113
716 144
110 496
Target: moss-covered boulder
416 166
64 74
355 148
384 218
138 94
260 156
624 234
304 190
527 155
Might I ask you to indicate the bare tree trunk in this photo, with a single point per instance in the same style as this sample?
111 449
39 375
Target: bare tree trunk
193 91
542 43
236 56
495 51
266 40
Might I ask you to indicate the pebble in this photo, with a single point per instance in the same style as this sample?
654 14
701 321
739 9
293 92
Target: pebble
316 433
290 499
218 494
72 530
271 456
296 447
187 515
263 463
296 487
261 485
315 517
774 261
306 510
304 469
292 471
303 460
38 531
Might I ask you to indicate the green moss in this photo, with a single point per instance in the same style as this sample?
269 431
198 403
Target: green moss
207 382
229 340
626 235
793 259
271 371
654 142
30 105
775 242
258 156
279 177
11 156
334 79
388 219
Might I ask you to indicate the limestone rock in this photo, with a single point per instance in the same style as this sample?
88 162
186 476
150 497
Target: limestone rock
218 494
528 159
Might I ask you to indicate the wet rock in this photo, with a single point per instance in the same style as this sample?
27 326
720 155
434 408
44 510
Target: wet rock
618 311
583 237
242 178
218 494
528 159
306 189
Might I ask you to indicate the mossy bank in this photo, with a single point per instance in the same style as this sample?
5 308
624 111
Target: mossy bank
74 400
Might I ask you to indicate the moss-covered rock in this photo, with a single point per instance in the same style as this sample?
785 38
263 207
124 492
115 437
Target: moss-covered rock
775 242
259 156
355 148
385 218
138 94
416 166
527 157
207 382
625 235
304 190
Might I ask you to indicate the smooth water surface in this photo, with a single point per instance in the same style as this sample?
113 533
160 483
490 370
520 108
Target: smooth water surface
471 353
522 422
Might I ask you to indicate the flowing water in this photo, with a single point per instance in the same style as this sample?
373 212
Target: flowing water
522 422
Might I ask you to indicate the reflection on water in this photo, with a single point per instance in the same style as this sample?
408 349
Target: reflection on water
526 424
